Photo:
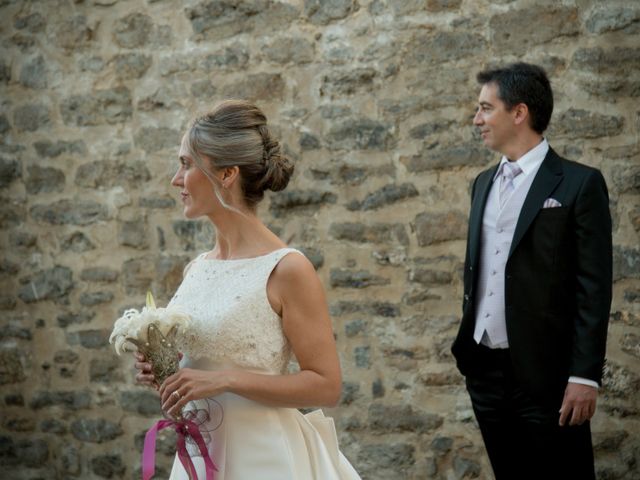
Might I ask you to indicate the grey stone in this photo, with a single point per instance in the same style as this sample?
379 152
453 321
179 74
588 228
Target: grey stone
14 400
386 458
165 442
441 445
349 393
99 274
428 276
7 267
77 242
348 82
44 180
626 178
92 339
385 233
137 275
626 262
20 424
322 12
619 382
105 370
73 400
32 453
234 56
256 86
133 234
73 33
434 157
334 111
630 343
90 299
33 23
131 65
33 73
387 195
31 117
95 430
70 212
92 63
7 302
133 30
108 466
614 18
51 284
578 123
361 134
612 90
619 60
49 149
424 130
465 467
203 89
70 460
440 227
12 213
354 327
4 124
283 50
15 331
377 389
427 48
157 202
304 201
402 418
141 402
108 174
308 141
513 30
191 233
381 309
340 278
153 139
346 174
314 255
100 107
362 356
53 425
10 170
23 239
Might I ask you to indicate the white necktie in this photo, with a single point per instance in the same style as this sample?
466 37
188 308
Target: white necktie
510 170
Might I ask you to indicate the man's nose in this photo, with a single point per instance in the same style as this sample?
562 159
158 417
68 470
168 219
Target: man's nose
477 119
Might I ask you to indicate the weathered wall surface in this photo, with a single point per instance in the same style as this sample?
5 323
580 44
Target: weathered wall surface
373 99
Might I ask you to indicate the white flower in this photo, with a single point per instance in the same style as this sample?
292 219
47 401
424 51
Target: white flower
134 324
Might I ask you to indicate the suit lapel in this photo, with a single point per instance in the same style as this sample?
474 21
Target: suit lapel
477 212
547 179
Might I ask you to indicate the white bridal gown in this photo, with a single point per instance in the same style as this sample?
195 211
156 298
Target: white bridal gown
234 326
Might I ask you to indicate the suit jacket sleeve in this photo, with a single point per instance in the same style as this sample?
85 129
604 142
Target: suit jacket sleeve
593 260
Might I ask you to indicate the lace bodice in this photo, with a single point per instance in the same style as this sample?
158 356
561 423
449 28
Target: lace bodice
233 324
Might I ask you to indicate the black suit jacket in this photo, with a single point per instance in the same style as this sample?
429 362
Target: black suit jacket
558 279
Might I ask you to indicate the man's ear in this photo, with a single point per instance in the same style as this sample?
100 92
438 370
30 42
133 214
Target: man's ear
520 113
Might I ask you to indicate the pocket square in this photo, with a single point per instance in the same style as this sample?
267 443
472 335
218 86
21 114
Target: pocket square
551 203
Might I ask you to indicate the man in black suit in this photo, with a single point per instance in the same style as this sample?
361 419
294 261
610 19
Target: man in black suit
537 288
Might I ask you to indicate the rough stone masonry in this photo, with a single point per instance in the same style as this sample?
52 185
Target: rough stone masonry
373 99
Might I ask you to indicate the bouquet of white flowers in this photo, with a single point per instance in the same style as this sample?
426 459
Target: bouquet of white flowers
153 332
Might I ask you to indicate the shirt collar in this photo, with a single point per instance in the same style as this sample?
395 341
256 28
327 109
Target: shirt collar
530 161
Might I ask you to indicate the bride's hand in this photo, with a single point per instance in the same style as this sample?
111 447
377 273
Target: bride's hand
145 375
189 384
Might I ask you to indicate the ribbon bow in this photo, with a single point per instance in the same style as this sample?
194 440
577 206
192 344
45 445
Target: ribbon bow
183 429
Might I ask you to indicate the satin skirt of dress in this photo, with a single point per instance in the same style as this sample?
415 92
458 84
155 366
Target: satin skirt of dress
247 440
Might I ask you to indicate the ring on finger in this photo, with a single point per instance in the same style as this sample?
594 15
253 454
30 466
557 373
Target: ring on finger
176 394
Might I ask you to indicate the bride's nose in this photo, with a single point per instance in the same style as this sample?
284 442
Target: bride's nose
176 181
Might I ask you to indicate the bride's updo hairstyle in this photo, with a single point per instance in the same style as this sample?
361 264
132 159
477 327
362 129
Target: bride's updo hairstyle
233 134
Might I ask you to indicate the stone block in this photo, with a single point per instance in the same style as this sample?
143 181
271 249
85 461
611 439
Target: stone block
33 73
322 12
131 65
10 170
49 149
44 180
108 174
341 278
100 107
153 139
578 123
436 157
303 201
76 242
70 400
133 30
361 134
287 49
73 32
95 430
347 82
51 284
387 195
142 402
108 466
255 87
70 212
30 118
434 228
92 339
384 233
626 262
611 18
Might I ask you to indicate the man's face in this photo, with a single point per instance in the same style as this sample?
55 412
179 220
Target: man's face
495 122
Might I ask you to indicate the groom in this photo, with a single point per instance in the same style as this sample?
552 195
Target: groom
537 287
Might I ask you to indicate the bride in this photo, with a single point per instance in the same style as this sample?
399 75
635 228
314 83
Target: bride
254 302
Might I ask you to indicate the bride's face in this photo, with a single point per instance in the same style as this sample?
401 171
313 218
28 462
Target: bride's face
196 191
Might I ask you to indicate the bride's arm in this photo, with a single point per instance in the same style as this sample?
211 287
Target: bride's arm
295 292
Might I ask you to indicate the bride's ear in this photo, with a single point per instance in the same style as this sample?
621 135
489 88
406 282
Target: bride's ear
229 176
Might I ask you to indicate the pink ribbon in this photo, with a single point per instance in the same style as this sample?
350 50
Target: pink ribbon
183 429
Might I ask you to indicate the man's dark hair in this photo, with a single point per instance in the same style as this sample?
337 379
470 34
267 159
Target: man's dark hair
523 83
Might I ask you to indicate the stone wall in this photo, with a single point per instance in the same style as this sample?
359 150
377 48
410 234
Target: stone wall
373 99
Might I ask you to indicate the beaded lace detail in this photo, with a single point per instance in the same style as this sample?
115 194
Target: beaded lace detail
233 323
